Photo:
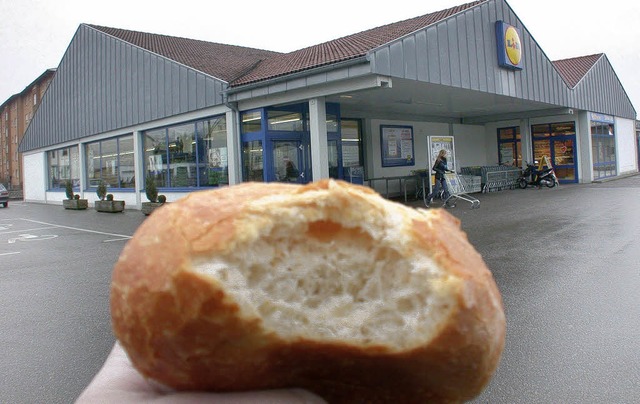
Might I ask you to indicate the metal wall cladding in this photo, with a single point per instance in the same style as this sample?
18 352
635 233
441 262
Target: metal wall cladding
461 52
601 91
103 84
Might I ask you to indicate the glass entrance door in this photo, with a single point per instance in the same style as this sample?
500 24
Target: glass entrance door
564 157
557 141
288 162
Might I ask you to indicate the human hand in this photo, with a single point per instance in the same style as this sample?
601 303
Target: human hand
119 382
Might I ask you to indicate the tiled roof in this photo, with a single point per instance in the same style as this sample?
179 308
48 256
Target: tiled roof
239 65
225 62
345 48
574 69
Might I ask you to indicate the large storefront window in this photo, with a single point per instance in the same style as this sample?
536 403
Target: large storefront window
63 165
283 120
603 143
214 162
509 147
251 121
111 161
556 142
188 155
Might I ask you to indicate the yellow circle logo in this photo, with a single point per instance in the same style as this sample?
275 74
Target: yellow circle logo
512 44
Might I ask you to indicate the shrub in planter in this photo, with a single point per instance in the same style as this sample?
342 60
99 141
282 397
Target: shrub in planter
106 202
68 189
73 201
155 200
101 191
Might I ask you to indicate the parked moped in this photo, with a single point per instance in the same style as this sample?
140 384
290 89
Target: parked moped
534 177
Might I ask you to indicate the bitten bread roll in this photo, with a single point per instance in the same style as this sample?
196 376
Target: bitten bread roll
327 287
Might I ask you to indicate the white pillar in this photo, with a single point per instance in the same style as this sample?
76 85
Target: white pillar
319 146
138 166
526 143
234 149
82 159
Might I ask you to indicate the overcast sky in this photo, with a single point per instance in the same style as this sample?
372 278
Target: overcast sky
34 34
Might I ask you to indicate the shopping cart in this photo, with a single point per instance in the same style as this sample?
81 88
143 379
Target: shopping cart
459 187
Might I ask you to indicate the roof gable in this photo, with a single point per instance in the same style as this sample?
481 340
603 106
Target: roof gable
573 70
345 48
225 62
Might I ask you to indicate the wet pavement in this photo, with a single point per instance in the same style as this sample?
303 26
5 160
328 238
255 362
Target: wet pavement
565 259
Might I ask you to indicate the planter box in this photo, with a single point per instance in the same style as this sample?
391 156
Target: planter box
109 206
149 207
75 204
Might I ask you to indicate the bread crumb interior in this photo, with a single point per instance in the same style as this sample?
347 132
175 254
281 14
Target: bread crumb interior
323 281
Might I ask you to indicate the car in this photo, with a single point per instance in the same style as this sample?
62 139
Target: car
4 196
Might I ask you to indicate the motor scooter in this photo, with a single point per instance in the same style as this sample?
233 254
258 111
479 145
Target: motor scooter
534 177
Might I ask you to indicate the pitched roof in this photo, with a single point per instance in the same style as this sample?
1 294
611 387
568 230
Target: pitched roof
239 65
225 62
574 69
345 48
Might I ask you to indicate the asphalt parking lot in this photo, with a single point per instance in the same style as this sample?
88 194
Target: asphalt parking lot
54 288
565 260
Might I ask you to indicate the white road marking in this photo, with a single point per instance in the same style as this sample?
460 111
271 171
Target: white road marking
11 253
24 230
31 237
122 236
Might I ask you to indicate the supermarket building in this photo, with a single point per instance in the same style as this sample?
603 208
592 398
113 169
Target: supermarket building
125 106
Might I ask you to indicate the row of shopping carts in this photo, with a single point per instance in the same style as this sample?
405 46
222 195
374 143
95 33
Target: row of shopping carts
495 178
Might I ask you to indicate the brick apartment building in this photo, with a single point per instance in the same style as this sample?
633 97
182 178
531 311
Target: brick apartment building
15 115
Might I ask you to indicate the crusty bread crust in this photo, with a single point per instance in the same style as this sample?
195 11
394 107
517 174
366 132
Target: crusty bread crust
182 328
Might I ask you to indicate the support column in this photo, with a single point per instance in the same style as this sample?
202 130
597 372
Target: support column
526 143
319 146
82 163
138 166
234 148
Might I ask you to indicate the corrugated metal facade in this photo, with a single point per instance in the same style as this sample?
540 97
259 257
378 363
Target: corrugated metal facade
461 52
103 84
601 91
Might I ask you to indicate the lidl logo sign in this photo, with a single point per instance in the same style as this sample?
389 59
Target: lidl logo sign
509 46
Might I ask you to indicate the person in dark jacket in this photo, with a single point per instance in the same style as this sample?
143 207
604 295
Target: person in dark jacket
440 167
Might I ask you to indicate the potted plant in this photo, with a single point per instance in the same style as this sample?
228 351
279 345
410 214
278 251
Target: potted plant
106 202
155 200
73 201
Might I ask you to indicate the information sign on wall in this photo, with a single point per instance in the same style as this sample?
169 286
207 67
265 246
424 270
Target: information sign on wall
396 144
509 46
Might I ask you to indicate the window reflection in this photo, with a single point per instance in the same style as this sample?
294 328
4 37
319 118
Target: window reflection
252 169
63 165
188 155
111 161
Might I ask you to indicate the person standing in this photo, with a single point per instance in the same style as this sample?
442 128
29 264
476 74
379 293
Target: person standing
440 167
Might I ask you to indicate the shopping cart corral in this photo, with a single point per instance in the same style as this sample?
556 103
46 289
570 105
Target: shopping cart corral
501 180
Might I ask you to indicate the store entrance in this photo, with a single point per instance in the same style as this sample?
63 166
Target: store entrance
290 161
557 142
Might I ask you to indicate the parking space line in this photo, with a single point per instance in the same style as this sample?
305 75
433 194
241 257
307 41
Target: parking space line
121 236
9 253
25 230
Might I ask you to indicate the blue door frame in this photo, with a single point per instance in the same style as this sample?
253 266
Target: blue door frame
272 140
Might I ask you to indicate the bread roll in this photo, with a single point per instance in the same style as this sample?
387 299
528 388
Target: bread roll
327 287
